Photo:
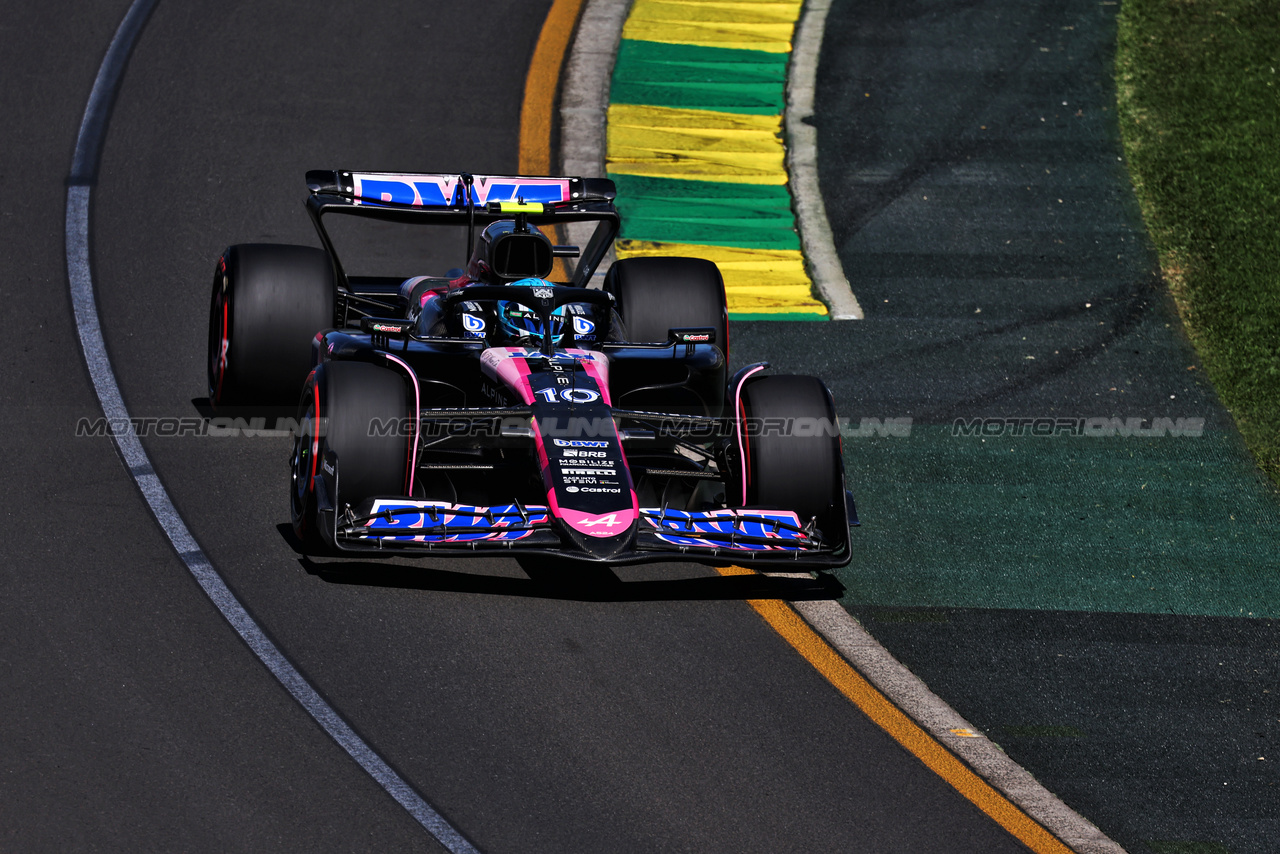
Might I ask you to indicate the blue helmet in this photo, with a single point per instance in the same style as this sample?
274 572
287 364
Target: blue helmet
521 323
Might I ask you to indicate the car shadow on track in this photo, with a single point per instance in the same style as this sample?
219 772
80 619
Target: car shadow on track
559 579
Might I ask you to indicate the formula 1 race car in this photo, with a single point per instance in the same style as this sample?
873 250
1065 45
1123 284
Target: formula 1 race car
513 407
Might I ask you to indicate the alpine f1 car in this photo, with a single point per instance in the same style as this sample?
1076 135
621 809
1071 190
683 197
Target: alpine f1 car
514 408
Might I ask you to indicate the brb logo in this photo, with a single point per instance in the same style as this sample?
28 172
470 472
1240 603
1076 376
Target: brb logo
443 191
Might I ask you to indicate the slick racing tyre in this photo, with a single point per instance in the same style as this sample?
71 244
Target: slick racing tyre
792 449
658 294
358 411
269 301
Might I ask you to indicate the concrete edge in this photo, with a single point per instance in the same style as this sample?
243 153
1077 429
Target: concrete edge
584 100
906 691
802 166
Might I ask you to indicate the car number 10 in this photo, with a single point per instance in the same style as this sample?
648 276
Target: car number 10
569 395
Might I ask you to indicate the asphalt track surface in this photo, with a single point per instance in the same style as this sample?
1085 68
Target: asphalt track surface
651 710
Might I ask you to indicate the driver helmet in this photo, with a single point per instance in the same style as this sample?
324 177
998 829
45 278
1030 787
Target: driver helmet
521 323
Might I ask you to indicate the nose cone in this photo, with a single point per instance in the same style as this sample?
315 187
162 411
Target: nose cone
601 535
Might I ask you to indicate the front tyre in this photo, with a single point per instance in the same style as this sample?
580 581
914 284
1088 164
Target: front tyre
791 453
268 302
360 412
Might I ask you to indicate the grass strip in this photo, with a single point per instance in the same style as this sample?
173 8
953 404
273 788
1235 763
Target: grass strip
1199 98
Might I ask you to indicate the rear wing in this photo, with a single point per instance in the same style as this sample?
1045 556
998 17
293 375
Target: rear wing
452 192
466 199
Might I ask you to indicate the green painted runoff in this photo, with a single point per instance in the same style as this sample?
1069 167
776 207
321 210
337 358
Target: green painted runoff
1153 525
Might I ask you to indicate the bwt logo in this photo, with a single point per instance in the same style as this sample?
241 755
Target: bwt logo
1091 427
442 191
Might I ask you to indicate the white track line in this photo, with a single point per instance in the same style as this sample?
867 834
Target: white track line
584 91
83 174
802 167
584 101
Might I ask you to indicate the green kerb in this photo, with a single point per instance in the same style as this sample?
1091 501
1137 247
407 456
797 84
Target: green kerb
699 78
668 210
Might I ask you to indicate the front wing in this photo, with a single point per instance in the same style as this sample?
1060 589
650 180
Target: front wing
761 538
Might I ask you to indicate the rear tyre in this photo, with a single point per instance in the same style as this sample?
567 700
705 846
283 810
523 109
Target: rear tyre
360 412
658 294
792 449
268 302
